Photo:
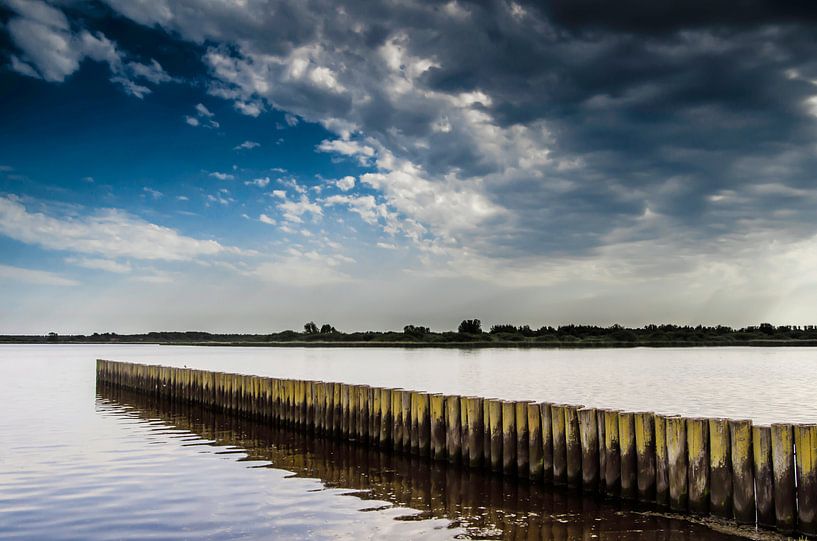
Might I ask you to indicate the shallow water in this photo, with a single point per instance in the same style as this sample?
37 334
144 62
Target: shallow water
78 464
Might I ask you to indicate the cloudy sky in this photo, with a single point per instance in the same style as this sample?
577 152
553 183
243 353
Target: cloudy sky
232 165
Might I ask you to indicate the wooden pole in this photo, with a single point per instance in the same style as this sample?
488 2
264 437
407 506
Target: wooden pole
509 438
476 430
385 422
644 423
547 442
783 470
612 474
437 416
763 477
495 419
466 453
602 435
629 458
698 470
589 436
720 468
522 439
534 441
453 437
677 463
805 441
573 447
557 423
423 424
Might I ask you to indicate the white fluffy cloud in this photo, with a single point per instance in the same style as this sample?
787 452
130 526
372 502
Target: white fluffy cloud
110 232
346 183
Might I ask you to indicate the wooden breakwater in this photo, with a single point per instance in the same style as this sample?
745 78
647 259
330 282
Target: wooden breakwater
754 475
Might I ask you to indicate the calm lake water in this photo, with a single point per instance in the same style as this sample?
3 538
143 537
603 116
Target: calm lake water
77 462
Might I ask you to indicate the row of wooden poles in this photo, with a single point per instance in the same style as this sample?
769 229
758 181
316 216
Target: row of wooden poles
764 475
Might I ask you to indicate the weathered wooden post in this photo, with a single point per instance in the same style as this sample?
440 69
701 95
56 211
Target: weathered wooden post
414 427
406 419
486 433
508 438
423 424
629 458
345 416
337 397
522 439
385 418
476 430
612 474
534 441
600 426
720 468
644 423
589 436
805 442
466 454
573 447
396 419
495 419
437 415
545 422
661 461
763 476
698 469
453 437
375 414
557 427
363 413
677 463
783 469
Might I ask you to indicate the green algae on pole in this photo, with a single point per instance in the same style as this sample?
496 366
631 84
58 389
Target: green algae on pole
385 420
612 454
437 416
557 423
476 428
534 441
698 465
629 459
509 438
720 468
644 423
495 418
453 437
677 463
573 447
805 442
783 469
589 439
763 477
547 442
522 439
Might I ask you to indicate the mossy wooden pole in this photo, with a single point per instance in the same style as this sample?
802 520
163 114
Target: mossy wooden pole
414 424
495 419
486 433
384 420
589 439
476 429
783 470
406 420
629 458
720 468
546 421
612 473
363 413
345 393
522 439
677 471
534 441
644 423
600 427
453 437
337 399
423 424
805 442
661 461
466 454
698 469
508 437
375 414
437 415
557 424
397 419
763 474
573 447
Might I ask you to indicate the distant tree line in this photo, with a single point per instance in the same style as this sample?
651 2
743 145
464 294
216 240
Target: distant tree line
470 332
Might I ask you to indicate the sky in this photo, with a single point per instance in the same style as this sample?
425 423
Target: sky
247 166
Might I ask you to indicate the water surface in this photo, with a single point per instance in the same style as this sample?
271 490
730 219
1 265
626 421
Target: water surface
77 462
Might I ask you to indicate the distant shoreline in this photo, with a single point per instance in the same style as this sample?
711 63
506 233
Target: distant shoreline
439 345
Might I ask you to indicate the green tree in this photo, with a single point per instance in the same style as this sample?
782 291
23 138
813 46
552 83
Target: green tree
470 326
310 328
